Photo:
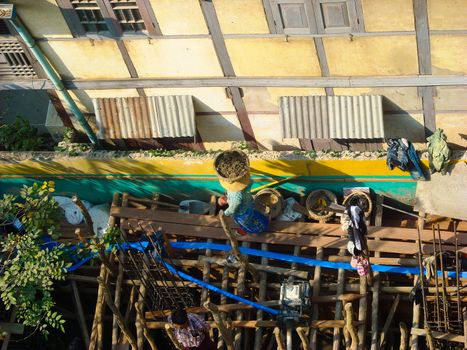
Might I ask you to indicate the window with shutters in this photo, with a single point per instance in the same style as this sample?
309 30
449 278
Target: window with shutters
314 16
13 61
109 17
90 16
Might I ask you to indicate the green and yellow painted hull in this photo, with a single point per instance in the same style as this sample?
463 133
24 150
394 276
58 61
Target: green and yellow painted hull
96 179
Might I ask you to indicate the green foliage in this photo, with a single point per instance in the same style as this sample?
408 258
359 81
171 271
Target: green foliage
69 147
20 136
29 270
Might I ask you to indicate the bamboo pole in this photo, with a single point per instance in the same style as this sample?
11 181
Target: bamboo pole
79 311
224 332
338 313
118 293
349 326
404 336
261 298
96 329
316 291
146 333
464 317
279 339
115 311
235 249
170 333
389 318
302 333
140 320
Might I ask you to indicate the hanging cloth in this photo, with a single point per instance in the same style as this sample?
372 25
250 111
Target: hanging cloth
357 230
438 152
402 154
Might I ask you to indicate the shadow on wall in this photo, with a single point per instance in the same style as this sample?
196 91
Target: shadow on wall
400 123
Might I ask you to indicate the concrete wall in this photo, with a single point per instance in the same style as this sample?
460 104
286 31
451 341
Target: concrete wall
186 50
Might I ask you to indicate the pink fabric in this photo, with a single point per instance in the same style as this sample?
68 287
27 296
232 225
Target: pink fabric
363 266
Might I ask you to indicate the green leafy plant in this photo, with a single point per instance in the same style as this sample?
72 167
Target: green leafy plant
20 136
71 148
29 267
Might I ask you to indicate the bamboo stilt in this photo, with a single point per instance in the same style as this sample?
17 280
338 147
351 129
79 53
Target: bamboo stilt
146 333
404 336
389 318
261 298
80 313
97 323
350 328
115 311
279 339
170 333
224 332
316 290
338 314
118 293
302 333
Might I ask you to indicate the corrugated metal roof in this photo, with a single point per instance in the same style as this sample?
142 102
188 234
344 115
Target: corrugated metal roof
335 117
145 117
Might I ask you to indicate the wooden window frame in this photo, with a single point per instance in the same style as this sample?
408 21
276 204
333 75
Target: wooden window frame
112 22
317 26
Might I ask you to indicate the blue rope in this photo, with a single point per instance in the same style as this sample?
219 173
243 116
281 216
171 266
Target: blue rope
305 261
220 291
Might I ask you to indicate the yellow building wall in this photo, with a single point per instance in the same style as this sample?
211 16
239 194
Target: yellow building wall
175 58
385 55
241 16
209 99
447 14
43 18
394 98
454 126
219 131
85 59
448 54
179 17
259 99
273 57
385 16
451 98
267 129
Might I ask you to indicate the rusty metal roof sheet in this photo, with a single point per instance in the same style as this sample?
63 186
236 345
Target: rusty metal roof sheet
145 117
335 117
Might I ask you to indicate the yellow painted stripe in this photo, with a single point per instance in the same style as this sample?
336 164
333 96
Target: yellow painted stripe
176 167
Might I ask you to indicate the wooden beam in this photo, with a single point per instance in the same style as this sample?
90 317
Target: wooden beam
279 339
319 324
389 318
212 22
350 327
80 313
115 311
149 17
318 82
224 332
316 290
323 62
424 63
404 336
451 337
129 63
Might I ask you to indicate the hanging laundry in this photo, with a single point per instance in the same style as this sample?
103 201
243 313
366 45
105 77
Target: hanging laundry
429 265
402 154
356 228
438 152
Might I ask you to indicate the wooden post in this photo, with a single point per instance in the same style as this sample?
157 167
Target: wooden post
139 320
79 311
376 280
464 317
338 315
240 292
115 311
98 314
170 333
279 339
235 249
224 332
350 328
404 336
118 293
148 337
261 298
302 333
316 291
389 318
